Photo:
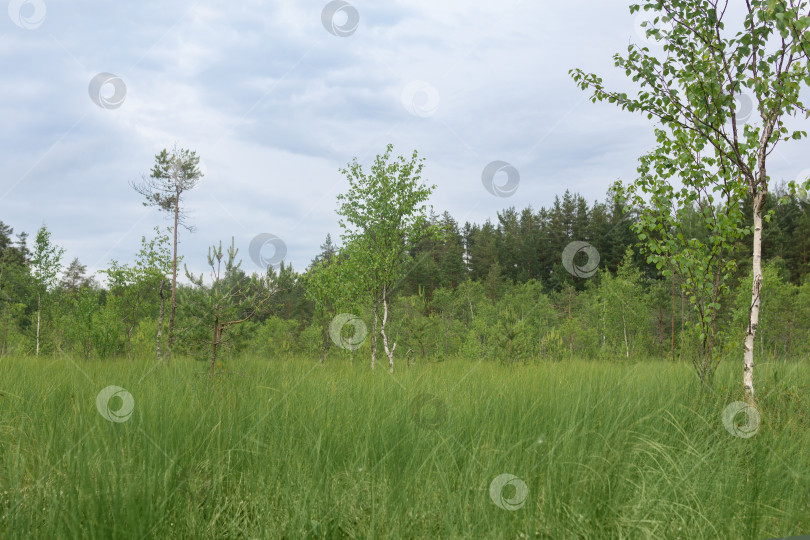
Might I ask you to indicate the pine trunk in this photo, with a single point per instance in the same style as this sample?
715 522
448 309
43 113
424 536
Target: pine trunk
174 273
214 344
159 335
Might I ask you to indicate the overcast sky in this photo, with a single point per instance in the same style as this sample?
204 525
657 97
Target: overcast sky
276 96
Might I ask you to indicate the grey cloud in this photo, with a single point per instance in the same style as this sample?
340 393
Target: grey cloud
275 105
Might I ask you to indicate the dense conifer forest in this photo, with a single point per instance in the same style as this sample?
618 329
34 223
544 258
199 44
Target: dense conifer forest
495 290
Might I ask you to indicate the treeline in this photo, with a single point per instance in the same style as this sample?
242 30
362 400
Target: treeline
493 290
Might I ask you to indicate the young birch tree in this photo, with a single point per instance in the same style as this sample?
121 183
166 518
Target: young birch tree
173 174
695 90
45 267
336 285
142 285
383 213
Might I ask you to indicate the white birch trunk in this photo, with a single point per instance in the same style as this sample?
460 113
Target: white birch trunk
626 346
388 352
604 324
39 313
756 289
374 340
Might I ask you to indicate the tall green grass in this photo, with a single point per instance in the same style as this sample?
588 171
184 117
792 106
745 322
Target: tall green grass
295 449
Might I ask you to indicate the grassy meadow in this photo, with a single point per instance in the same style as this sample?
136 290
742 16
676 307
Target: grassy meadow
295 449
